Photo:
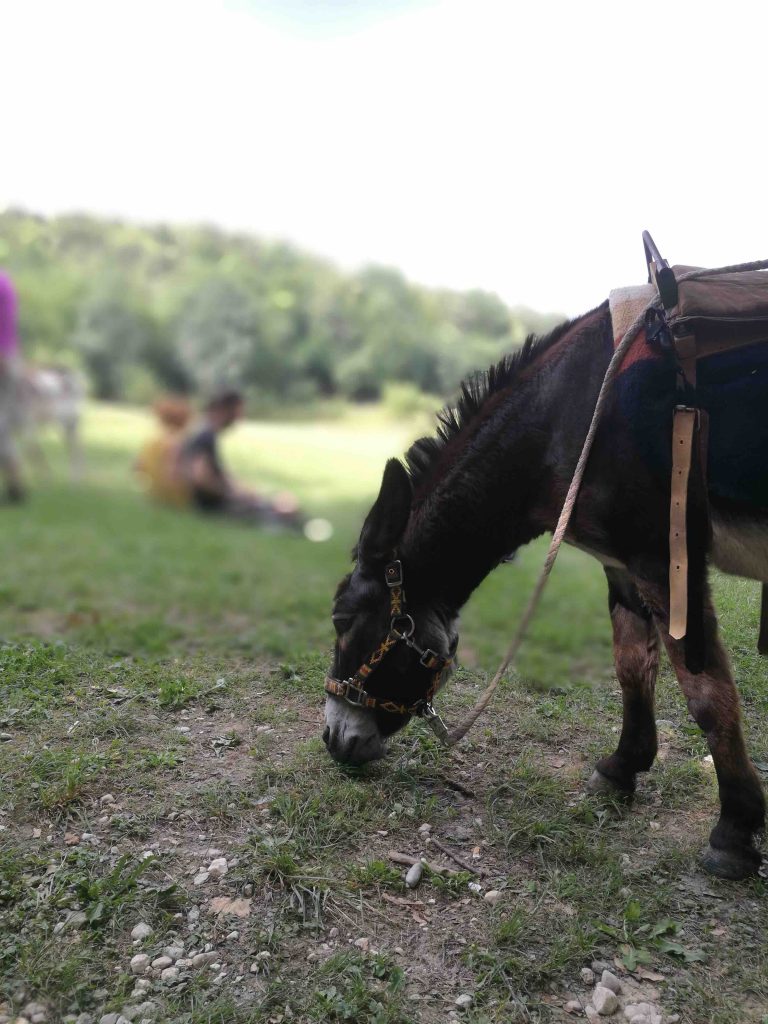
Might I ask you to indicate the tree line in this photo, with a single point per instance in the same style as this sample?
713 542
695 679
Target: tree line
143 308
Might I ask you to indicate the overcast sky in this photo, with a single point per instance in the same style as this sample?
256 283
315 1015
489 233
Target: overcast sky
518 147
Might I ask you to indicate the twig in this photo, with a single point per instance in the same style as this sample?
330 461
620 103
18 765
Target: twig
452 784
408 861
457 858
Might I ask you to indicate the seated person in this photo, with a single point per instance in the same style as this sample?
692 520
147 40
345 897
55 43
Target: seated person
158 461
212 489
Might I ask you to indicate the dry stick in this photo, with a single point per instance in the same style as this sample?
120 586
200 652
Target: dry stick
455 857
452 784
573 492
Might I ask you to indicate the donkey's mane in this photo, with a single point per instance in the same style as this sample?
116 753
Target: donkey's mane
474 399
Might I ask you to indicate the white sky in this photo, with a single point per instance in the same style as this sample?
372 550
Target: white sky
518 147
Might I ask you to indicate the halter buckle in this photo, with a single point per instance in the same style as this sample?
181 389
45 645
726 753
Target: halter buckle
393 573
427 656
408 632
361 695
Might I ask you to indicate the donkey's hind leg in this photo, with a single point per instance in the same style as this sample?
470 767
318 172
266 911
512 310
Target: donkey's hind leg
636 653
714 703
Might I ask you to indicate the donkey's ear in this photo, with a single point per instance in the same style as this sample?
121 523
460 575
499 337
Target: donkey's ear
386 522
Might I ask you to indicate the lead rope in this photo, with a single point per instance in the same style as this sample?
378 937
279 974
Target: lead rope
463 728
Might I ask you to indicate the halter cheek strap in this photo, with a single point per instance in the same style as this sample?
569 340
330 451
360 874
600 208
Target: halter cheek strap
401 629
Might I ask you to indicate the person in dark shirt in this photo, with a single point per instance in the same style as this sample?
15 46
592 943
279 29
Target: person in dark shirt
212 489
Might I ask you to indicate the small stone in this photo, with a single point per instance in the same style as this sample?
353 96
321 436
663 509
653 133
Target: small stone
201 878
572 1006
233 936
333 933
474 887
364 944
212 852
161 962
425 829
464 1001
632 1010
492 896
605 1000
193 914
609 980
36 1012
592 1015
107 799
587 976
141 931
71 839
414 874
174 952
169 975
598 966
201 959
139 963
218 867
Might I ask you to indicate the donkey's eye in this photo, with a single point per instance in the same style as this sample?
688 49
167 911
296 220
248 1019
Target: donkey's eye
341 622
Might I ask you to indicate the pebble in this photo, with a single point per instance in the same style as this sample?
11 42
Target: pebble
193 914
233 936
609 980
598 966
112 1018
139 963
425 829
201 877
475 887
201 959
363 943
141 931
161 962
587 976
632 1010
107 799
84 1018
333 933
174 952
492 896
592 1015
35 1010
414 874
572 1006
212 852
464 1001
169 975
218 867
605 1000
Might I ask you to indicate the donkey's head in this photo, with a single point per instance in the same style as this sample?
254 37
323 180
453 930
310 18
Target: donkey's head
391 654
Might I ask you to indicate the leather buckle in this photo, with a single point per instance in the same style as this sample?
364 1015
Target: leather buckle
426 656
393 573
357 701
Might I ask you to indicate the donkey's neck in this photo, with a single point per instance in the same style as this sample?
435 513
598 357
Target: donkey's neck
502 478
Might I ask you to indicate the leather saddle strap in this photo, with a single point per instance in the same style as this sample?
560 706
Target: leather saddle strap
683 431
762 640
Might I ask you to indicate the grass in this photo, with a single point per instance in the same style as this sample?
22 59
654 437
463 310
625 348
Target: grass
161 684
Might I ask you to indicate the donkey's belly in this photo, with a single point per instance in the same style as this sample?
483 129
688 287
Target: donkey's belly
740 547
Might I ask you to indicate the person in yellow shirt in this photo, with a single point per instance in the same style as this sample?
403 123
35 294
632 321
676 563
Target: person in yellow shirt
158 462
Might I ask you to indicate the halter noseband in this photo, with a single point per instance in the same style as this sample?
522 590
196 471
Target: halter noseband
401 628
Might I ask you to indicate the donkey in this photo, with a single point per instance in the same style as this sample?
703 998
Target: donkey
495 477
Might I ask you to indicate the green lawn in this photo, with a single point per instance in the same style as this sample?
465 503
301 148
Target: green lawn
174 665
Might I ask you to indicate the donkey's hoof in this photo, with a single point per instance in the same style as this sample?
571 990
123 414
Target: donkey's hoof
599 784
731 864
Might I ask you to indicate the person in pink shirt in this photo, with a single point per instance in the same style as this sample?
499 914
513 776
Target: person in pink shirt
10 386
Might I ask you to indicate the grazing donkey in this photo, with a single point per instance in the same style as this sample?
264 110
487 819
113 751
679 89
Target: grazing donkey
495 477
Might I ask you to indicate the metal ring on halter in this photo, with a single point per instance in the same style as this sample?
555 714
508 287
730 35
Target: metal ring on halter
404 634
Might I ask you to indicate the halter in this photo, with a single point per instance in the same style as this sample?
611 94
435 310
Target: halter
401 628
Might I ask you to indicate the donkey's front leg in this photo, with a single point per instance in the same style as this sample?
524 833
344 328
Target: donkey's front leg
714 704
636 653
